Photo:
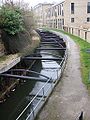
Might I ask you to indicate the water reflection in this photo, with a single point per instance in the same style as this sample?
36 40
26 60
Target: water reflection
21 97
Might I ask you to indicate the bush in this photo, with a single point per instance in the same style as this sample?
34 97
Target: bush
11 19
16 25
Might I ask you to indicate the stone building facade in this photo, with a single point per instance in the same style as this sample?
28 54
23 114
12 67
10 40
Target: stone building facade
77 13
71 13
72 16
40 12
55 16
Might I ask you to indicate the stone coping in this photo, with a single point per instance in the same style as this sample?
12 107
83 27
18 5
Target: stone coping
8 62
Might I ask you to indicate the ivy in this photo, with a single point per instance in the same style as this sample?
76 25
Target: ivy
11 20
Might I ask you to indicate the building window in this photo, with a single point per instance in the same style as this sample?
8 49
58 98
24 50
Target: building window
78 32
62 13
88 7
88 19
62 21
52 12
72 20
56 23
85 35
72 8
58 10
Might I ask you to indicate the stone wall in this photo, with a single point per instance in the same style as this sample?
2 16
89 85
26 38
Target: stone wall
80 14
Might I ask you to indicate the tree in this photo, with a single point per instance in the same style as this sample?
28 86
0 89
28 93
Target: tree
17 24
11 19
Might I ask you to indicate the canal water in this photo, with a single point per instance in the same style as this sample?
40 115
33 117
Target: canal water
13 106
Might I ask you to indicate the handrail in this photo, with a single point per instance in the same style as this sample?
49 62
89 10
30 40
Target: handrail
32 99
62 64
37 104
65 56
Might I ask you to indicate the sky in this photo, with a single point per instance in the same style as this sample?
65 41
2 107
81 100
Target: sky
35 2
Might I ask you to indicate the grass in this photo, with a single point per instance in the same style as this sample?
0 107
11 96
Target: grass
84 55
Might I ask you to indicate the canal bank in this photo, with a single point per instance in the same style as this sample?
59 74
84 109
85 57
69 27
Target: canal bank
53 58
70 97
9 61
37 85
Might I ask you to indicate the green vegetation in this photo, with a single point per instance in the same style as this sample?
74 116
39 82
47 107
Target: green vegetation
3 58
16 26
11 19
16 30
84 53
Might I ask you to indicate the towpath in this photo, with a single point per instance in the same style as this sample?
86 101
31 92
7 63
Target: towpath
70 96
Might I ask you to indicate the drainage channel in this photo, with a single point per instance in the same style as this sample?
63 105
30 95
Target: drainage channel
50 59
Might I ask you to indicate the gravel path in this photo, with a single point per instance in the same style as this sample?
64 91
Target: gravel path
70 96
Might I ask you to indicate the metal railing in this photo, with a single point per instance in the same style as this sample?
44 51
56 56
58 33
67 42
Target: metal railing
44 92
32 101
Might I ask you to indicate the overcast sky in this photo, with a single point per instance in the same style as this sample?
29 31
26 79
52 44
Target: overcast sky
35 2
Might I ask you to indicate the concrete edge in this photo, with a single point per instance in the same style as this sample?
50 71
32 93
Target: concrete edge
6 67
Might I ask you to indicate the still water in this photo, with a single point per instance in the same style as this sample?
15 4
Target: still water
20 97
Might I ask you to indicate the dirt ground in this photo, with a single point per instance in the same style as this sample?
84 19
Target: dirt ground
70 96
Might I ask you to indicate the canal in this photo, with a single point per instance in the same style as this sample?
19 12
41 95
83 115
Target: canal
25 91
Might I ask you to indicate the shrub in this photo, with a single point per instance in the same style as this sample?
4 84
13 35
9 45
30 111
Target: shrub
11 19
16 25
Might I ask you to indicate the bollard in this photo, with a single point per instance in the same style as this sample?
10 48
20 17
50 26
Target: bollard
81 116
